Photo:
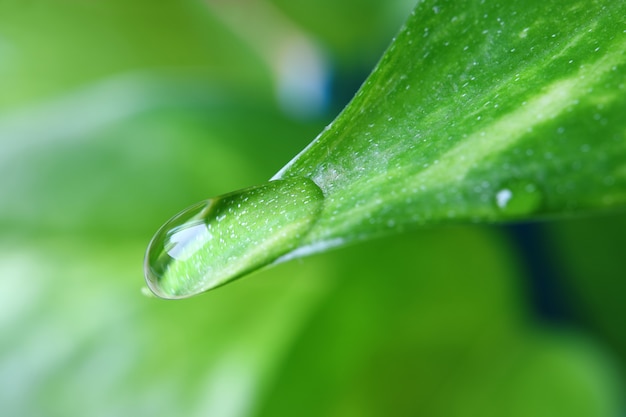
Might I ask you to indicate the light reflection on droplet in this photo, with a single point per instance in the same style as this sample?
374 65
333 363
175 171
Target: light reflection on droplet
518 198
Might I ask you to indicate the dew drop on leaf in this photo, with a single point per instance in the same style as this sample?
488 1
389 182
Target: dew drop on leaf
226 237
518 198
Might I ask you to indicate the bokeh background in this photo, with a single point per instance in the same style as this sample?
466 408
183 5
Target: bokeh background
116 114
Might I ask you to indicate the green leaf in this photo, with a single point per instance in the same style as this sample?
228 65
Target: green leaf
478 112
433 323
590 251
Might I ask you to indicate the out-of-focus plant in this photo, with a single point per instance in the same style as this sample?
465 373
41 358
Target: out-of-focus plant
114 115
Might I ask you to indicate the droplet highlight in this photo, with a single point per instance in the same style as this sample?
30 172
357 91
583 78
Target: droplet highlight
519 198
218 240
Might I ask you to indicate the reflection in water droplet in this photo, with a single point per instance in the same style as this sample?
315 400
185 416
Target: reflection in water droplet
503 196
223 238
518 198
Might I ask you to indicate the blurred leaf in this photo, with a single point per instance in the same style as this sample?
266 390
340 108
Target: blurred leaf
590 252
115 115
407 333
49 47
135 149
81 340
366 26
328 336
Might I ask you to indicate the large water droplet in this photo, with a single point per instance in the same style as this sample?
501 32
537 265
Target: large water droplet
223 238
519 198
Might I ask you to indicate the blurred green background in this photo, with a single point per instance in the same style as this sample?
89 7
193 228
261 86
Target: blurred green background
114 115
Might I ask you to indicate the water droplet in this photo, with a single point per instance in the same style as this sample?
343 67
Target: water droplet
503 196
223 238
518 198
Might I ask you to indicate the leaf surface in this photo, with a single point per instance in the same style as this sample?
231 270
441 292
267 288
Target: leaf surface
478 111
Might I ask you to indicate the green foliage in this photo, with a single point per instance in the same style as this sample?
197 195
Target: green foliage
479 112
520 117
115 115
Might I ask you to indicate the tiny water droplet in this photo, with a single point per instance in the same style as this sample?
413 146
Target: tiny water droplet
223 238
518 198
503 196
